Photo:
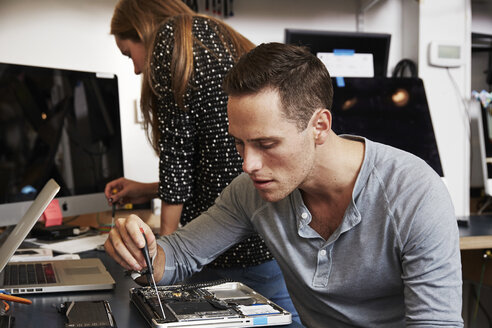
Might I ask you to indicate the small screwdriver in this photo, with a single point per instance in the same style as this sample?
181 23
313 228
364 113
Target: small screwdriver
113 212
150 271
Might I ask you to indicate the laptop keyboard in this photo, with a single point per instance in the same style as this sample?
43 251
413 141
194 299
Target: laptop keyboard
29 274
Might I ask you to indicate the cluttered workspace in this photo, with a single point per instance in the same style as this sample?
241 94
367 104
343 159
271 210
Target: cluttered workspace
63 138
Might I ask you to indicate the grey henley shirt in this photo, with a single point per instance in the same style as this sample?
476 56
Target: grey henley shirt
393 262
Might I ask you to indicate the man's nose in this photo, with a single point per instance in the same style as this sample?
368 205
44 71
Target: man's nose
252 160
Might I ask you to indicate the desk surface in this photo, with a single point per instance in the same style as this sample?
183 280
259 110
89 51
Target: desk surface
42 313
477 234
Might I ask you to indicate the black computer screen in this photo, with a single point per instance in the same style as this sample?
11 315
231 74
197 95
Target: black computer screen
393 111
487 133
377 44
60 124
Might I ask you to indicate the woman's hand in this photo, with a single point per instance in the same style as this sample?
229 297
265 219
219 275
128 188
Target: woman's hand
122 191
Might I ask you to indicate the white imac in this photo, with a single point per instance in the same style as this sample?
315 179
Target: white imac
61 124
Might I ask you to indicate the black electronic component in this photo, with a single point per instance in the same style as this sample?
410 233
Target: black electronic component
54 232
6 321
184 302
88 314
392 111
225 302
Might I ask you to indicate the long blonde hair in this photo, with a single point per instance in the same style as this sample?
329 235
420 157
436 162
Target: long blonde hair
139 21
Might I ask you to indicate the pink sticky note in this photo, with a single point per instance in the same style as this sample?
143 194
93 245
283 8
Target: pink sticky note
52 216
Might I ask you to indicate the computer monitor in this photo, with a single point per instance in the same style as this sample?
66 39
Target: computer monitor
481 150
377 44
393 111
61 124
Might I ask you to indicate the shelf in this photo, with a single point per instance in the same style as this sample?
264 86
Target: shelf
481 42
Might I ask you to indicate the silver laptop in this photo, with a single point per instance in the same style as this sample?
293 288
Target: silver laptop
208 305
47 276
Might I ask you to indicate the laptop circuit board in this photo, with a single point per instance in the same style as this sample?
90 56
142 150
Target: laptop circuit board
187 303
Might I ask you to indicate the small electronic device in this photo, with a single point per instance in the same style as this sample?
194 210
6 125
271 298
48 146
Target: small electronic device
445 54
88 314
57 232
207 305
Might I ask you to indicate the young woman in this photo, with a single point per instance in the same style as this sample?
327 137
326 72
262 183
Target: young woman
184 57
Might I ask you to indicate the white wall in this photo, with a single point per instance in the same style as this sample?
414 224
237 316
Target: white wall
266 21
74 34
448 21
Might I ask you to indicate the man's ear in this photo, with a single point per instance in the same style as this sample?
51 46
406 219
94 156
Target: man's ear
321 125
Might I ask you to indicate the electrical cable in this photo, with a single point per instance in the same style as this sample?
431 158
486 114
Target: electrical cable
7 297
5 308
465 106
403 66
478 304
482 307
465 113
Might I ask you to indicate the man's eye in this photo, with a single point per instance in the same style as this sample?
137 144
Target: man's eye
238 142
267 145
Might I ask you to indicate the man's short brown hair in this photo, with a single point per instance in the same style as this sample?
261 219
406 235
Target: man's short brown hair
302 80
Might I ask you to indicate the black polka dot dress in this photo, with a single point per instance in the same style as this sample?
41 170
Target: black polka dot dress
197 156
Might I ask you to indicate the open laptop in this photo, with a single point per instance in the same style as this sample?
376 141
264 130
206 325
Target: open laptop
208 305
47 276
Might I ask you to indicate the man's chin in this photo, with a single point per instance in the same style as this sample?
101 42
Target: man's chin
270 197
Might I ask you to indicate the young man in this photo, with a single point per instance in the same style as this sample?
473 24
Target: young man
365 234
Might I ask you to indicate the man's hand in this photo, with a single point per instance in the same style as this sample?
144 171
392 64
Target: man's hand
125 243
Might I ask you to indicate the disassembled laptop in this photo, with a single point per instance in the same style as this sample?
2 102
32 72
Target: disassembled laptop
217 303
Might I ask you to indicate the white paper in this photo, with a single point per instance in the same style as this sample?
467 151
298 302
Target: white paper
39 254
77 245
348 65
31 254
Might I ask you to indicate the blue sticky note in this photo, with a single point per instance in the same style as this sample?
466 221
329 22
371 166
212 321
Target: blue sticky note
28 190
340 81
260 321
343 52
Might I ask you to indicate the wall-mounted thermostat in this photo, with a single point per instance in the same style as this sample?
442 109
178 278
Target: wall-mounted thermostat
445 54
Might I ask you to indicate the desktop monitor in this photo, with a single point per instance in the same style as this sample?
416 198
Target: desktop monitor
377 44
60 124
392 111
481 149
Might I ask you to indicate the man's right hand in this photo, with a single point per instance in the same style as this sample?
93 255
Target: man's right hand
125 243
122 191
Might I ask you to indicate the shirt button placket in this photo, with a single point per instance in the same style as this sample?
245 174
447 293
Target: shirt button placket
323 268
